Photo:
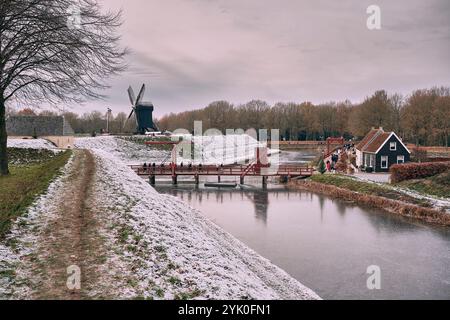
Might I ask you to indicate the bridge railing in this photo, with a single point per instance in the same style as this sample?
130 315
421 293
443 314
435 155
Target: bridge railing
228 170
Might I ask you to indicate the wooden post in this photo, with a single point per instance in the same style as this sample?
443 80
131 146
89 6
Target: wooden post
264 182
152 180
218 179
242 180
174 180
197 180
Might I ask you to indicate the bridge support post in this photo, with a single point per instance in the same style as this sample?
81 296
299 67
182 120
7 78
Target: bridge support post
264 182
197 180
152 180
174 180
241 180
218 179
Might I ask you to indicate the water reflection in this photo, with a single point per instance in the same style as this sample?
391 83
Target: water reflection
261 203
327 244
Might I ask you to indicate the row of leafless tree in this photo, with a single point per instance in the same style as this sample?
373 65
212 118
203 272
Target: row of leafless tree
423 117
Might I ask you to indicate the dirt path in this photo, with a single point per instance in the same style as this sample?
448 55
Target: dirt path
71 238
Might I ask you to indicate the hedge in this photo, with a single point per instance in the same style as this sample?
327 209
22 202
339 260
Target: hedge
409 171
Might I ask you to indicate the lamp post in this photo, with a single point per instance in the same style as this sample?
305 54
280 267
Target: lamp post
108 114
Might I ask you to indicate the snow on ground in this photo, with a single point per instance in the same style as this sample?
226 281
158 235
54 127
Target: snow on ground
373 177
224 149
127 151
207 149
383 180
160 248
30 144
22 240
180 252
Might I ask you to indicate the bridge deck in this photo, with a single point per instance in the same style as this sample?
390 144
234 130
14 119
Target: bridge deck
228 170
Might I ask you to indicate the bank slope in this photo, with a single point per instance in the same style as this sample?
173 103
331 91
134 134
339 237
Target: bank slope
176 253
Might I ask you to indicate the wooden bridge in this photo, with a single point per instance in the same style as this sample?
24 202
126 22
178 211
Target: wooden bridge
249 170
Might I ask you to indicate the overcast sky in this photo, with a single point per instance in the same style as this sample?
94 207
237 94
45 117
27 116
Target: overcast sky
192 52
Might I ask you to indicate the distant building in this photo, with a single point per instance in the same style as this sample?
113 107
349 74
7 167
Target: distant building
53 128
379 150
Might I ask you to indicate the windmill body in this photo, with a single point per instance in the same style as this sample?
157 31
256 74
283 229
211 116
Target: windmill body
143 112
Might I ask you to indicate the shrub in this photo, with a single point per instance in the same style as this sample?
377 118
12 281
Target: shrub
321 166
342 163
417 170
419 155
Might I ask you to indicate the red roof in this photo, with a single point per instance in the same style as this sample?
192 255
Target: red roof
377 142
368 138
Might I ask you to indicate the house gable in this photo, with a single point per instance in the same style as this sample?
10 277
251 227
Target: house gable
392 134
392 155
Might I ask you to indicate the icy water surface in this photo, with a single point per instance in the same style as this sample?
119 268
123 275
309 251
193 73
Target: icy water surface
328 244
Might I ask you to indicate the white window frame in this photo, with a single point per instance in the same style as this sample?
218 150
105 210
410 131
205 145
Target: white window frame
387 162
393 146
402 159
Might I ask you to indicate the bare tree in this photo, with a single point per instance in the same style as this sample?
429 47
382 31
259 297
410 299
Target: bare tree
57 51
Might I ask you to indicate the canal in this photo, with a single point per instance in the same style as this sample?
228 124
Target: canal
329 244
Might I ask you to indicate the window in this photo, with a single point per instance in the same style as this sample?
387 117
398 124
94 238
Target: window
393 146
368 160
400 159
384 162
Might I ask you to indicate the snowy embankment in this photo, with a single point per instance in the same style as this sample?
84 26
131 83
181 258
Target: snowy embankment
228 149
180 253
126 151
30 144
207 150
438 203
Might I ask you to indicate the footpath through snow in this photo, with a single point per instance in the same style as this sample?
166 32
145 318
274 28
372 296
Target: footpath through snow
152 245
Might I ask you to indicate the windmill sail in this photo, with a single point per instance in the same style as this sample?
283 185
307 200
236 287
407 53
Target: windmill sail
140 95
131 96
143 111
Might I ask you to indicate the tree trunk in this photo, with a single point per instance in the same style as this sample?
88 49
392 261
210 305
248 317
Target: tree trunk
3 139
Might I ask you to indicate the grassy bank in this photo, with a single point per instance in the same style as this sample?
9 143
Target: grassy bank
373 195
367 188
24 185
438 185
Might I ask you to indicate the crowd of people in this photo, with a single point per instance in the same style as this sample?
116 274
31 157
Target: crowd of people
347 148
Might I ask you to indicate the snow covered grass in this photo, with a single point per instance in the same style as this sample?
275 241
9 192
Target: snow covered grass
207 149
219 149
126 151
23 185
22 240
439 203
159 247
29 144
177 253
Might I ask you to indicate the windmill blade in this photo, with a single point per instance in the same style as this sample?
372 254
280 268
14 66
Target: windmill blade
132 111
140 95
131 95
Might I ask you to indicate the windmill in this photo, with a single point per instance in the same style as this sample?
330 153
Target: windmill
143 112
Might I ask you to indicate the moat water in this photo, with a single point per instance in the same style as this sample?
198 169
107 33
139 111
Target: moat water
328 244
